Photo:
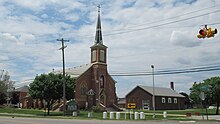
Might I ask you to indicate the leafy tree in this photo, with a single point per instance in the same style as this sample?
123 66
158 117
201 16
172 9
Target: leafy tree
211 88
2 98
5 85
195 92
213 94
49 87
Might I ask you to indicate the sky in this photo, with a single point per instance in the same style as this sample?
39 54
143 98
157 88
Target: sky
138 34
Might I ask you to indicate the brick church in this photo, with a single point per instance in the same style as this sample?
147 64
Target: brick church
94 85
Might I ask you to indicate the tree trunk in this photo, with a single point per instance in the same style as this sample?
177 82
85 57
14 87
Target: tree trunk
48 107
217 110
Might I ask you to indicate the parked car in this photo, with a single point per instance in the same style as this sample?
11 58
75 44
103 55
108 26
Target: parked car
212 107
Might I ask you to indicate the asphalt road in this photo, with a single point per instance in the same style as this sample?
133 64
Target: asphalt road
18 120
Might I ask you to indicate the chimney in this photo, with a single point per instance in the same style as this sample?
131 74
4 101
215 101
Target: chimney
172 85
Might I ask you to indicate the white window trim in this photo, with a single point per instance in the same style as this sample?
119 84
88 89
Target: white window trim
169 100
175 100
163 100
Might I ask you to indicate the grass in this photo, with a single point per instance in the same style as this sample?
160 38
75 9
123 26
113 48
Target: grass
177 114
183 112
35 112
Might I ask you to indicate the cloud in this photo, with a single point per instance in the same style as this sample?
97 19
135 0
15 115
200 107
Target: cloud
36 5
19 40
7 37
44 16
184 39
184 61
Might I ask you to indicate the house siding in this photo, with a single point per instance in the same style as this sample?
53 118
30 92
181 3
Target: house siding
137 95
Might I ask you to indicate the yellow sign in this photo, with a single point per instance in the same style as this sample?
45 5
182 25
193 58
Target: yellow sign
131 105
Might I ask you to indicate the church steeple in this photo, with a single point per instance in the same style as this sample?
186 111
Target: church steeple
98 50
98 35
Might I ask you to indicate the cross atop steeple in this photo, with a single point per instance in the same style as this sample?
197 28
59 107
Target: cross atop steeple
98 35
99 7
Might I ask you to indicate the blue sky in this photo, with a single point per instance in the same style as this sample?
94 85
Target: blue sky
29 29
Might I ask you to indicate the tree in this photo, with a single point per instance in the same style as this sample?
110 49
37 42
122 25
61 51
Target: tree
211 88
49 87
195 92
213 95
187 101
5 85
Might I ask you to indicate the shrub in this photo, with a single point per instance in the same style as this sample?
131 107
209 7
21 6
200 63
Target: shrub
96 109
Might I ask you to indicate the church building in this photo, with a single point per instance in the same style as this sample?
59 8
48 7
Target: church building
94 85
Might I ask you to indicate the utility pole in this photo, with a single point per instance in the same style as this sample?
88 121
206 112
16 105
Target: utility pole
154 115
64 82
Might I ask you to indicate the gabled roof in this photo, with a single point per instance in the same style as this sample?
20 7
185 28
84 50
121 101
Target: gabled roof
22 89
76 71
159 91
121 100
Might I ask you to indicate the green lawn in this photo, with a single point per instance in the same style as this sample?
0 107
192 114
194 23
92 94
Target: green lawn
35 112
177 114
183 112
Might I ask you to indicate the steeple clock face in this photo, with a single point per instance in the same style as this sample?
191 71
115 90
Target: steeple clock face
94 55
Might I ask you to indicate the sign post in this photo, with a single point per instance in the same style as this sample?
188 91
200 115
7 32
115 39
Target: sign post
203 96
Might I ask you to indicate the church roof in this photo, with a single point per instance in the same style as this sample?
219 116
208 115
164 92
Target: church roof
98 35
159 91
76 71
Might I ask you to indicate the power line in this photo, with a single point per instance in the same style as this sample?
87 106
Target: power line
161 20
180 72
116 32
163 24
167 23
176 71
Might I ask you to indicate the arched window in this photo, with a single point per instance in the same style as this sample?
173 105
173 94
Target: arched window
102 82
83 89
102 99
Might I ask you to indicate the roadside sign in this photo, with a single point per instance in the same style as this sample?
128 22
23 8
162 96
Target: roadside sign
202 95
131 105
204 88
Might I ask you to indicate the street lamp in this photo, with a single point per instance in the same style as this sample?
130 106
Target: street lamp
153 100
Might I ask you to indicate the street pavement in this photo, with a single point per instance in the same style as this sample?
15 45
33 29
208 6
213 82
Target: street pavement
21 120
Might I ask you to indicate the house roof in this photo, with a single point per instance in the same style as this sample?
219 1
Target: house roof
121 101
76 71
159 91
22 89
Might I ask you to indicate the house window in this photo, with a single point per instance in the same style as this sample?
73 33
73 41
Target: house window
83 90
163 100
169 100
175 100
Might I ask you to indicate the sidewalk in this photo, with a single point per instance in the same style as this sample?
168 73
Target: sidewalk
14 114
210 117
